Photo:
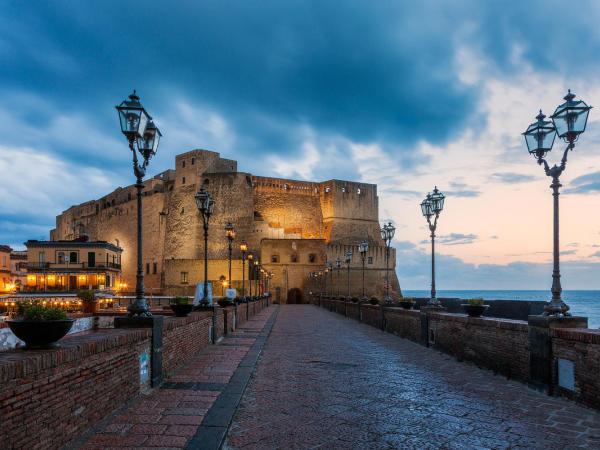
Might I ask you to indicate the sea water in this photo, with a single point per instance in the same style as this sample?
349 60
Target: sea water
582 303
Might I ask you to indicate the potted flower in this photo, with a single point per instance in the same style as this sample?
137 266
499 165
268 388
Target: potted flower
181 306
38 326
89 302
475 307
374 301
407 302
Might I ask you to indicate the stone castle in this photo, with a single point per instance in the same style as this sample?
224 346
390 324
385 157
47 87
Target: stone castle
292 227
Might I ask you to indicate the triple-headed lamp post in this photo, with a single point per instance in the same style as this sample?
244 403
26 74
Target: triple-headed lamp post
568 121
143 137
206 205
387 234
432 206
230 234
363 249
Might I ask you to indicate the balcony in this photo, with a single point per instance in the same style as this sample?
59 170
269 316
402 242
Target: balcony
37 266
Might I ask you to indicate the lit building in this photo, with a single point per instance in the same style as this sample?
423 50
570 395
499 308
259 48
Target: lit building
6 284
18 268
68 266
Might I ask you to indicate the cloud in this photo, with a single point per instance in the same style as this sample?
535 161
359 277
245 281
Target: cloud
462 190
512 177
454 239
584 184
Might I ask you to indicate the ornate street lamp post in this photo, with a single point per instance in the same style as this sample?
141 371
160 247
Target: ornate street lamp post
430 207
568 121
338 266
387 234
206 206
250 268
330 269
230 234
244 250
143 137
348 261
363 249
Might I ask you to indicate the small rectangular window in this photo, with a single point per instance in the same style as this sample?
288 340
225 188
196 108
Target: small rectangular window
184 277
312 258
294 258
370 260
193 161
183 163
147 268
183 180
154 267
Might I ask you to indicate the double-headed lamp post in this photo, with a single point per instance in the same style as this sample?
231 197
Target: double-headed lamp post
143 137
338 266
348 262
387 234
230 234
206 206
432 206
363 249
244 251
568 122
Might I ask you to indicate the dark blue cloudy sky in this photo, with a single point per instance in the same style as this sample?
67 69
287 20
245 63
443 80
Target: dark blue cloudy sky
402 94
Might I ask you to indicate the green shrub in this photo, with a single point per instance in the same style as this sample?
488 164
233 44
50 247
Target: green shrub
35 311
181 301
475 301
86 296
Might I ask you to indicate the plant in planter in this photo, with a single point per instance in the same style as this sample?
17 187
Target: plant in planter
181 306
407 302
224 302
89 302
38 326
374 301
475 307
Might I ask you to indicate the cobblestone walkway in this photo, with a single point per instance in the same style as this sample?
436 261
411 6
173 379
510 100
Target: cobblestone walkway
324 381
169 417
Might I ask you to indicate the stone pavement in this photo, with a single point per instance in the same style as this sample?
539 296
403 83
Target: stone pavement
324 381
171 416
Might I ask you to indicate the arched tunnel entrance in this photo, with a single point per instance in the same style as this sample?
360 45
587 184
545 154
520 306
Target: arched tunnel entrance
294 297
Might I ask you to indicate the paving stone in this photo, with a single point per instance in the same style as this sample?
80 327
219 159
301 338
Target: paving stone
323 381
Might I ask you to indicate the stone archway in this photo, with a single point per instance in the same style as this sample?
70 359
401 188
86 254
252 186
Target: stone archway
294 297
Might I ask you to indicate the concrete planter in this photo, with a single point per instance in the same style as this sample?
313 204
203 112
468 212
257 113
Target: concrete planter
40 333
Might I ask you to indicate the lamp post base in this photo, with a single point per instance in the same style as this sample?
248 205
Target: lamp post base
139 308
387 300
556 309
434 303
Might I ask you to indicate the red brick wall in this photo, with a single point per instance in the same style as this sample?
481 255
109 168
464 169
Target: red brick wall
47 397
582 346
498 344
183 337
404 323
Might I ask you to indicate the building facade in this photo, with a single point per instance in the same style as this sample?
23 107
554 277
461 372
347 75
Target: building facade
293 227
6 281
72 265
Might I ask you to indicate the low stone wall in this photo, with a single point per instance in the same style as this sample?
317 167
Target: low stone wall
183 337
403 323
503 345
48 397
576 365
